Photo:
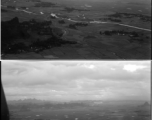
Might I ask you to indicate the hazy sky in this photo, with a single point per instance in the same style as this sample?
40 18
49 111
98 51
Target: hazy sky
76 80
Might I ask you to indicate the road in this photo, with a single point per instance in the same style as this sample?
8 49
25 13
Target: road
92 22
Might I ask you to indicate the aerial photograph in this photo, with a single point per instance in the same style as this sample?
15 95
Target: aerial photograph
76 29
76 90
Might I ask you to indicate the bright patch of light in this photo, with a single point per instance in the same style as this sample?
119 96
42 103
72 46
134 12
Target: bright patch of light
41 13
89 66
54 15
133 68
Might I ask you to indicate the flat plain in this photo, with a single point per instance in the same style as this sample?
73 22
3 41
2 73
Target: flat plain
118 110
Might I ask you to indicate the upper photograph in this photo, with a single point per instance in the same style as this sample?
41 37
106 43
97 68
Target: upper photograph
76 29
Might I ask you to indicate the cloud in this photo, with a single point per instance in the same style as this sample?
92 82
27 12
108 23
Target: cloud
133 68
76 79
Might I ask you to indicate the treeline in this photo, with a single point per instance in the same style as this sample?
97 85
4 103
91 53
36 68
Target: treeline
29 106
71 9
144 18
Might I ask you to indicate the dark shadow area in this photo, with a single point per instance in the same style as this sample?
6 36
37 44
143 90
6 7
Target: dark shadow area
4 107
133 36
30 36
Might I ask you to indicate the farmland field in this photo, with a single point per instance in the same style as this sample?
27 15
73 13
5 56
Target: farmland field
98 112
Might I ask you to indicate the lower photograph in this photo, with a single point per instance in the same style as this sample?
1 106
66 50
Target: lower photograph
75 90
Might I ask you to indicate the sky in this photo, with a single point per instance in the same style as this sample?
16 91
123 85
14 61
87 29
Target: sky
76 80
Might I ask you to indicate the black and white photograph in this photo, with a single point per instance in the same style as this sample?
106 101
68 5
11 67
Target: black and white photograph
75 60
76 90
76 29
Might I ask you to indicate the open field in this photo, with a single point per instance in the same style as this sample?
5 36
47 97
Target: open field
84 113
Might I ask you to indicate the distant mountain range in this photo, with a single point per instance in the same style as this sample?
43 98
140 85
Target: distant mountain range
31 101
145 105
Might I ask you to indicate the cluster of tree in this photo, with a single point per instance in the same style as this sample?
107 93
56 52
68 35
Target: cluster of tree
23 7
33 0
111 19
71 9
29 106
61 21
74 26
45 4
49 43
11 30
119 32
14 30
11 7
65 105
146 18
33 25
81 24
131 15
134 36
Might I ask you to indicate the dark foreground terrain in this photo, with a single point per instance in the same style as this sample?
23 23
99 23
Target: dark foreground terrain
35 29
88 110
